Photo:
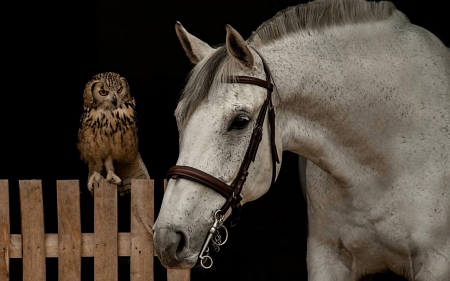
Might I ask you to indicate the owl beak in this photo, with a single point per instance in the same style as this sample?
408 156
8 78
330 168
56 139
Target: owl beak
114 99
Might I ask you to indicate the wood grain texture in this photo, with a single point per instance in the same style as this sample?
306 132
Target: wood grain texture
69 230
87 245
15 246
105 232
142 218
69 244
33 240
178 274
4 231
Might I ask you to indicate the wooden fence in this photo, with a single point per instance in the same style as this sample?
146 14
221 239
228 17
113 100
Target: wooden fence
69 245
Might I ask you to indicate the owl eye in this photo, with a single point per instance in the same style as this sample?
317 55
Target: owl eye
120 90
103 92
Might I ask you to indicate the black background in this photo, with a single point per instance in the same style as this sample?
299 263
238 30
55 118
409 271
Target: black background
51 49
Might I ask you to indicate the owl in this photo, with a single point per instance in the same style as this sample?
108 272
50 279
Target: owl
107 135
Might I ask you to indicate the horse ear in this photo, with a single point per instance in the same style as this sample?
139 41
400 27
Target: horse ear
238 48
195 48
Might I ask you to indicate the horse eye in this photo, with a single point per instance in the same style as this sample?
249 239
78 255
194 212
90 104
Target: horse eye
239 123
120 90
103 92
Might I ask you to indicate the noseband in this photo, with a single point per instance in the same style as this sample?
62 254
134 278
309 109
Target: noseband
232 192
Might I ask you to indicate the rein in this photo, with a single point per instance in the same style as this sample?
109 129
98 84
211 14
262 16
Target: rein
232 192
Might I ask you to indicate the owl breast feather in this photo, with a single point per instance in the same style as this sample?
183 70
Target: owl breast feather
105 133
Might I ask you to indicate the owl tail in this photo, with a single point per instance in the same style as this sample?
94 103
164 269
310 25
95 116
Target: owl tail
134 170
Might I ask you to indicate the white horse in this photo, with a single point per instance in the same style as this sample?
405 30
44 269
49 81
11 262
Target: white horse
360 93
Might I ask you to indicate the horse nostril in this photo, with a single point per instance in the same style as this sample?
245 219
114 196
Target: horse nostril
170 245
181 243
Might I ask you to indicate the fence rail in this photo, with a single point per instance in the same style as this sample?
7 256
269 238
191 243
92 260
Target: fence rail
69 245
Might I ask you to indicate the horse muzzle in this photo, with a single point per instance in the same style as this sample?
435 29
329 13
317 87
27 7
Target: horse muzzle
172 248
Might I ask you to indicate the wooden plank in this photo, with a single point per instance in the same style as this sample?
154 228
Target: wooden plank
142 218
51 245
87 245
15 246
178 274
33 241
123 244
69 230
105 232
5 230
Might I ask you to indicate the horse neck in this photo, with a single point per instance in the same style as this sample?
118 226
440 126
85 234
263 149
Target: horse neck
331 110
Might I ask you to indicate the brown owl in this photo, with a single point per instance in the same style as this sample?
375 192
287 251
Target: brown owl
107 136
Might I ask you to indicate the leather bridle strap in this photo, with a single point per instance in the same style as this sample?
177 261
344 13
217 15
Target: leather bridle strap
202 178
232 192
269 86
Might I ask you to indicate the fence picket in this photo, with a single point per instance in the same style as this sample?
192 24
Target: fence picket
178 274
142 218
106 244
5 230
33 240
105 232
69 230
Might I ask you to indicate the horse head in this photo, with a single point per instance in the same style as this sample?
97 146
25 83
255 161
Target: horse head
222 109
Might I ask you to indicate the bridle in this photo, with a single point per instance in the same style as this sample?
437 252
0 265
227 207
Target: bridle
232 192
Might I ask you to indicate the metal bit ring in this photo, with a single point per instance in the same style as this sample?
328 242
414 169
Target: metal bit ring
221 243
203 263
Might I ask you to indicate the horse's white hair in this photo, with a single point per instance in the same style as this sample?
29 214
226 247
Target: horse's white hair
209 74
318 15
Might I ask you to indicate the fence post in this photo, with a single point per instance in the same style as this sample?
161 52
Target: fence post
4 231
69 230
142 218
105 231
33 236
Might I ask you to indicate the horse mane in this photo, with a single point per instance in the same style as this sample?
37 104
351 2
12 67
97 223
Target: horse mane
208 74
319 14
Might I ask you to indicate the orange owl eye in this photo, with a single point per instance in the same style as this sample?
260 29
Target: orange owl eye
120 90
103 92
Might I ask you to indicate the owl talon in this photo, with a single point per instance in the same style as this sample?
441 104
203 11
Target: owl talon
94 179
113 178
